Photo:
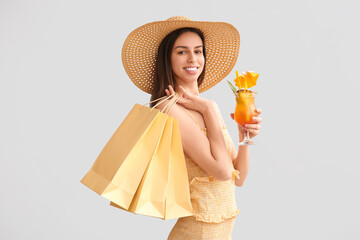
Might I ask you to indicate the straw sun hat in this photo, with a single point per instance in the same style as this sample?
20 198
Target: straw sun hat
222 42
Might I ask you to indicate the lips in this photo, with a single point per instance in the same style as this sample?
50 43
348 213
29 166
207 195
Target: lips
191 70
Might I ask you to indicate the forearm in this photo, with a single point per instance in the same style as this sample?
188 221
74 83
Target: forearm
241 163
216 137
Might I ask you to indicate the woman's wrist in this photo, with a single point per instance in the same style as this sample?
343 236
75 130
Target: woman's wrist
206 107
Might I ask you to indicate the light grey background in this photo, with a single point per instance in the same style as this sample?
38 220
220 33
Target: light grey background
64 92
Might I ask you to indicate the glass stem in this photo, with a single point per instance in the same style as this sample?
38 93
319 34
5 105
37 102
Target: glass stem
246 136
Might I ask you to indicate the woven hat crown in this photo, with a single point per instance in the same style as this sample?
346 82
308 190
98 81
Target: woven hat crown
222 42
179 18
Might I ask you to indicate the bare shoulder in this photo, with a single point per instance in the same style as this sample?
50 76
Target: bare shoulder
179 113
175 111
192 136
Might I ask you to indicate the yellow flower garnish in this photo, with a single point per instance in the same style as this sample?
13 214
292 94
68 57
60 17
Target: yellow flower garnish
246 80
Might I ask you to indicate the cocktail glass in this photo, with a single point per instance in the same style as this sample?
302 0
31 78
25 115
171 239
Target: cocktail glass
245 111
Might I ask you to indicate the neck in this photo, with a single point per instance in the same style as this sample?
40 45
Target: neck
191 87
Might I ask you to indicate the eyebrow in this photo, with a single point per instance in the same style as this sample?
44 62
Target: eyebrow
200 46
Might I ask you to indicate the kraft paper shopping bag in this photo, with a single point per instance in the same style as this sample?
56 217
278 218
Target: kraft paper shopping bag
150 196
142 168
164 190
118 170
178 192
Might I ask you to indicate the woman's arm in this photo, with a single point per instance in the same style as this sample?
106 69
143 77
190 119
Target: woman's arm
241 159
241 163
208 152
217 141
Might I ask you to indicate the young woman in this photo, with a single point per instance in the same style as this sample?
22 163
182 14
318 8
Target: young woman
192 57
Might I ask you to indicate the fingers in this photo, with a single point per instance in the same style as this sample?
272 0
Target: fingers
255 125
258 110
182 91
169 91
257 120
253 132
252 127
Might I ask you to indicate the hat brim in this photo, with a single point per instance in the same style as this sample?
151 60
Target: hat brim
222 41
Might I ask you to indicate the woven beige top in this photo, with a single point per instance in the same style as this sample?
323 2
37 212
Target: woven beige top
222 42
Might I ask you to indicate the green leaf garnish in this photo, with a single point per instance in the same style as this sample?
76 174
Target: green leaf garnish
232 88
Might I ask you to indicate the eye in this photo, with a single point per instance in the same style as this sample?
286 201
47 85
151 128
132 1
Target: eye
181 52
198 51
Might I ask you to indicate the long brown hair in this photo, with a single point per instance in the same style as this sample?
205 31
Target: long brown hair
163 74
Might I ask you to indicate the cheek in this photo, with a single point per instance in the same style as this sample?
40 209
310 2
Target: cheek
202 61
174 62
174 66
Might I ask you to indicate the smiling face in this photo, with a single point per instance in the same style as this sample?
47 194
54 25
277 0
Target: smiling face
187 58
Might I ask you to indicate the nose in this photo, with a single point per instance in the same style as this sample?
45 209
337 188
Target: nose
191 57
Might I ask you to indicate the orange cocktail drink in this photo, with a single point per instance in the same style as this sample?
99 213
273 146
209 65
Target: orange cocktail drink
245 107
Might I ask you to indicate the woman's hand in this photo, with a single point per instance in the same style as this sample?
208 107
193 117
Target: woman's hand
189 100
253 129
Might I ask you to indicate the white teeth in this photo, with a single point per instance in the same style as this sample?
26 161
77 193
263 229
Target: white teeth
191 69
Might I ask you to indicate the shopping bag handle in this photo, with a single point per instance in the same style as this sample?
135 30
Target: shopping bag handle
171 103
175 97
